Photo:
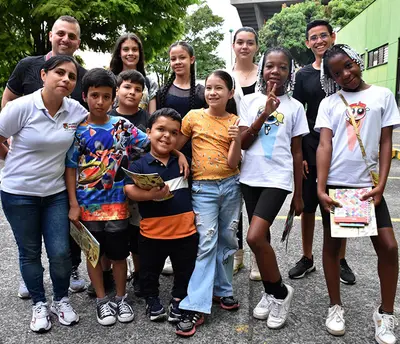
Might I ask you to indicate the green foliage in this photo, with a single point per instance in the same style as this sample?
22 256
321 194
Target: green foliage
24 30
202 29
287 28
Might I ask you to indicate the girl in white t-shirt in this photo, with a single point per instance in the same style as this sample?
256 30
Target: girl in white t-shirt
340 165
272 125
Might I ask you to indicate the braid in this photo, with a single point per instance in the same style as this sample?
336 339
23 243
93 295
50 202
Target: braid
164 90
327 82
192 97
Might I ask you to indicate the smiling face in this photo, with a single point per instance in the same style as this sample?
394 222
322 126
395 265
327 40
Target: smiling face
276 69
245 45
130 93
64 38
130 54
345 72
320 40
180 60
61 80
163 136
217 93
99 100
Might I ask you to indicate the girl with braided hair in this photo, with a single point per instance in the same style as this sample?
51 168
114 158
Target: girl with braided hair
272 125
340 164
181 92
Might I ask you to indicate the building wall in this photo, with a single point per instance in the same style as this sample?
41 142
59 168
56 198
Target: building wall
377 25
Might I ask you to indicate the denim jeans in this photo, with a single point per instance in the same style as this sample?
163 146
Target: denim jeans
217 205
32 217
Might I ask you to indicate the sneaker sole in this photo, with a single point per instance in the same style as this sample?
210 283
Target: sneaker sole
335 333
186 334
42 330
312 269
173 319
126 319
347 282
260 316
158 318
230 308
24 297
106 323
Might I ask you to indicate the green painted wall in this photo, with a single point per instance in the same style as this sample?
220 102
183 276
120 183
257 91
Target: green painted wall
377 25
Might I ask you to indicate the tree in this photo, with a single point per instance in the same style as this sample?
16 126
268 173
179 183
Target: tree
287 28
202 31
24 30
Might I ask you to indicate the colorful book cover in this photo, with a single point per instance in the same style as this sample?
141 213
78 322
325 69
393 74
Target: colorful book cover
87 242
353 210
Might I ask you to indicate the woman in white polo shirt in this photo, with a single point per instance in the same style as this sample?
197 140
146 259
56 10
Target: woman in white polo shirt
33 194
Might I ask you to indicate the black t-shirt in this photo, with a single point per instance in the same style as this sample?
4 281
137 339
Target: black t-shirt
138 119
249 89
309 92
25 79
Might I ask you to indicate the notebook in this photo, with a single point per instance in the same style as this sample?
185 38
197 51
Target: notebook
353 210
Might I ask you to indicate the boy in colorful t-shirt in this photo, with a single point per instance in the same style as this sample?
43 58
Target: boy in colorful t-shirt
103 144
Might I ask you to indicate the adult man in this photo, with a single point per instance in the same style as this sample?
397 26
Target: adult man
308 90
26 79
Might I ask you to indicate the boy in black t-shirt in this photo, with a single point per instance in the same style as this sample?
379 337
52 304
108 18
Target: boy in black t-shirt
130 85
308 90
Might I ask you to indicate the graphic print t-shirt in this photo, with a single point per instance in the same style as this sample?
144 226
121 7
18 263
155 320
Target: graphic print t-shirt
269 162
373 109
98 153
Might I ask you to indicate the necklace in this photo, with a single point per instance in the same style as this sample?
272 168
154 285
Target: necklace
244 75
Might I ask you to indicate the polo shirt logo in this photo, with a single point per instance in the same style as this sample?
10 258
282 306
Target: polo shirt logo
70 126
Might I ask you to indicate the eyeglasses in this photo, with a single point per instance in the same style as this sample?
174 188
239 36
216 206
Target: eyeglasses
324 36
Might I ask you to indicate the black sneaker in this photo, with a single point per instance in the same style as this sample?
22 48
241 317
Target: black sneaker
346 274
135 284
106 314
174 311
229 303
154 309
188 323
302 267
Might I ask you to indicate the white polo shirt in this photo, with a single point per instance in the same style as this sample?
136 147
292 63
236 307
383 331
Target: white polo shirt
35 163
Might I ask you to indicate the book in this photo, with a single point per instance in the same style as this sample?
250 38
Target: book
288 227
87 242
353 209
352 229
147 181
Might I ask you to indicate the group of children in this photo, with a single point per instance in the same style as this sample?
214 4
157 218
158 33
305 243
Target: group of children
197 226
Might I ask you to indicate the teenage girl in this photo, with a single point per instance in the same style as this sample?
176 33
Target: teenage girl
128 54
245 47
272 125
216 200
340 164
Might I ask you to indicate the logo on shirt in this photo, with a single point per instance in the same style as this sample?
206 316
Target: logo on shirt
70 126
359 111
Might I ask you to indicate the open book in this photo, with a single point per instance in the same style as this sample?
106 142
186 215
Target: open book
87 242
147 181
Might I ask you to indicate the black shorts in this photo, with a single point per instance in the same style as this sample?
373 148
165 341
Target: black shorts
112 236
263 202
381 212
133 233
310 196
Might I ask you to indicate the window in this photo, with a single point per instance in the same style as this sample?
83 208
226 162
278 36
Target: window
378 56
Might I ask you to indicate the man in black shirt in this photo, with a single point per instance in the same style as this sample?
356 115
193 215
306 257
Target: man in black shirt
308 90
26 79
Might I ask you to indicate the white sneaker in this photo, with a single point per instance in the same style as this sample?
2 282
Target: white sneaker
335 323
40 318
280 310
263 307
23 292
130 268
167 270
65 312
238 261
384 327
76 284
254 273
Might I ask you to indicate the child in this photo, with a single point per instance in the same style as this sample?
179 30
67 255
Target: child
102 145
167 226
130 85
340 165
272 125
216 200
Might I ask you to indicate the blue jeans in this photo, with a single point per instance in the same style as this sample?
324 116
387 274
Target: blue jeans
217 205
32 217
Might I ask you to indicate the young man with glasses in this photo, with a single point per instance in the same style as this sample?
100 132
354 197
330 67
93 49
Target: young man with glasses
308 90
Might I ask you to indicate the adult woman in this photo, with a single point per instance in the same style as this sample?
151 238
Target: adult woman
128 54
244 71
33 194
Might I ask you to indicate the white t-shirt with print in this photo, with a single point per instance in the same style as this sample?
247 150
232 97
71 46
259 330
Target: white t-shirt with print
374 109
269 162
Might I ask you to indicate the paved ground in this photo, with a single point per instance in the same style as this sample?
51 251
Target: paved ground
307 315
